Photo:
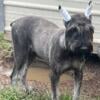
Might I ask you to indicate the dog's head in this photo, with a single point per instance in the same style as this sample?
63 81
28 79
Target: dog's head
79 30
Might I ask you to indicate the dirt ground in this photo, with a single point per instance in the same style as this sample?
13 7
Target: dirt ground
90 86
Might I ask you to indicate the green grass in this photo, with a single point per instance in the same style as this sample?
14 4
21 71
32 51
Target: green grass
15 94
5 45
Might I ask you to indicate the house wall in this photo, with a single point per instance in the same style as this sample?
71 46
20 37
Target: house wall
1 16
15 9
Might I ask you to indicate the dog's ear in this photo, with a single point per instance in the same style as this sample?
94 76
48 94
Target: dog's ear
66 16
88 10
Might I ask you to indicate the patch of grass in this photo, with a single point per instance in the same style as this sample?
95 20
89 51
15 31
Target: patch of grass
5 45
16 94
10 94
65 97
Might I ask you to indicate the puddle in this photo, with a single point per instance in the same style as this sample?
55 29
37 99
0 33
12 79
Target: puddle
42 74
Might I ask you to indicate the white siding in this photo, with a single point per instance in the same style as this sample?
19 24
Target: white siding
48 8
1 16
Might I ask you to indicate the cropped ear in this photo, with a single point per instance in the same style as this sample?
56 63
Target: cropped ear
66 16
88 10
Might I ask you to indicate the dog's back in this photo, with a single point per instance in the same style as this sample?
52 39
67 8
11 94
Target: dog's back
35 33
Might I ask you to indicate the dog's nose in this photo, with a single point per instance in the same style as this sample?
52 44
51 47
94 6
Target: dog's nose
87 48
84 48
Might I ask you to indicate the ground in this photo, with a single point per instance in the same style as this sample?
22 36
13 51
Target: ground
90 87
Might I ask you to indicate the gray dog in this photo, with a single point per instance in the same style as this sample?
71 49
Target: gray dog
63 49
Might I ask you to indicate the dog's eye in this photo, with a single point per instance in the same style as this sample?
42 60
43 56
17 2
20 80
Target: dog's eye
72 30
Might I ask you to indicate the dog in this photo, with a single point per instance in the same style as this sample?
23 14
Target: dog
63 49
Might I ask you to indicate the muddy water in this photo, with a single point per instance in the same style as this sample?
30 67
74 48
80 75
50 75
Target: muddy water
42 74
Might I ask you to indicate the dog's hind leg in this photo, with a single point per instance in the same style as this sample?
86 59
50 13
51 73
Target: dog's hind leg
54 85
21 64
20 68
20 58
23 71
78 76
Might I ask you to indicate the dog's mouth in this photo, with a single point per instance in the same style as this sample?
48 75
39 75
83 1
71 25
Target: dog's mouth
81 50
79 53
83 54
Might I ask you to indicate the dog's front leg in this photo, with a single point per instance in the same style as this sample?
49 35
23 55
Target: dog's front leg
78 76
54 85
